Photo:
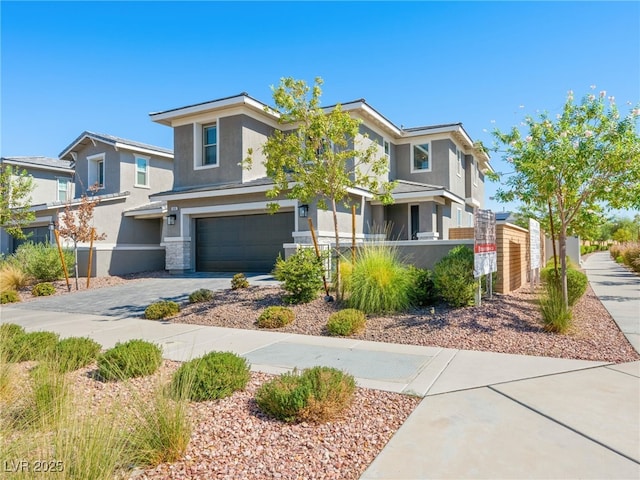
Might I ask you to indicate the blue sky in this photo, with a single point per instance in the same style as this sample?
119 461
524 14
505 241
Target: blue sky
104 66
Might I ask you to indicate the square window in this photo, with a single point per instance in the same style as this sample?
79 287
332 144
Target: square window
210 145
421 160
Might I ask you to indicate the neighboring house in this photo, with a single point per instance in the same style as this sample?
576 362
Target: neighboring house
124 173
53 182
217 211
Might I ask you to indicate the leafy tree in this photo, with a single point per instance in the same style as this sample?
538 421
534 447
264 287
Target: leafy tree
622 235
321 159
15 200
588 155
76 224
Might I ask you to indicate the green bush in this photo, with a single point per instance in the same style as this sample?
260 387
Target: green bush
239 281
9 296
10 330
135 358
301 275
201 295
346 322
215 375
576 283
422 290
30 346
453 277
318 394
275 317
42 261
161 309
555 316
379 281
75 352
619 259
43 289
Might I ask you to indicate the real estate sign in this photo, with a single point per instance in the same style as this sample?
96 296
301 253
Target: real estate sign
485 259
534 243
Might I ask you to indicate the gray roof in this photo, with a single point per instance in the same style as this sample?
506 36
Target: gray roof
42 163
147 206
224 186
112 140
404 186
432 127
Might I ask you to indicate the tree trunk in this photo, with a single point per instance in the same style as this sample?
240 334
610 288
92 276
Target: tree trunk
562 244
337 250
75 254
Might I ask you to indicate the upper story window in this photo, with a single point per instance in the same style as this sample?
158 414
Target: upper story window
421 157
63 189
474 171
142 172
210 145
460 162
96 170
387 149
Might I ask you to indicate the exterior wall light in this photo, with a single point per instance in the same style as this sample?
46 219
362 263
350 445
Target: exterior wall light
171 219
303 211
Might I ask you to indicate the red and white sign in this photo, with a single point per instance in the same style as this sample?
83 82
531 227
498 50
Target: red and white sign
485 259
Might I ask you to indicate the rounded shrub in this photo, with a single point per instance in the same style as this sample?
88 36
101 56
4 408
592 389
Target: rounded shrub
43 289
422 290
346 322
23 347
301 275
161 309
135 358
215 375
9 296
275 317
201 295
453 277
10 330
75 352
576 282
318 394
239 281
42 261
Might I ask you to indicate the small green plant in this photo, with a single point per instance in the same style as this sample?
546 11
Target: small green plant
42 261
10 330
453 277
43 289
31 346
275 317
318 394
576 282
50 395
346 270
215 375
301 275
135 358
239 281
9 296
161 309
75 352
12 277
555 315
422 290
201 295
346 322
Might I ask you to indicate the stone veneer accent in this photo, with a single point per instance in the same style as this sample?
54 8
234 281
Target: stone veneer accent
178 254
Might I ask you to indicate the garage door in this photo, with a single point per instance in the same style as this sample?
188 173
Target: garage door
247 243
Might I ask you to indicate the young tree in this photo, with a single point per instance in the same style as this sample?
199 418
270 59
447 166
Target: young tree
15 200
76 224
321 159
588 155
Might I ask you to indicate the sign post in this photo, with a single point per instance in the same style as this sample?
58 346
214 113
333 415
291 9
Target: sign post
534 252
485 258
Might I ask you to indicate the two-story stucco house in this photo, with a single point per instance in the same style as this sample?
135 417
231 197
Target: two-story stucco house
217 211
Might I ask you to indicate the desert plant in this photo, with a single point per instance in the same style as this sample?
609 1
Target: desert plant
50 395
346 322
555 315
42 261
422 290
453 277
318 394
576 282
43 289
215 375
9 296
301 275
239 281
75 352
631 255
161 309
30 346
275 317
379 281
135 358
346 270
201 295
12 277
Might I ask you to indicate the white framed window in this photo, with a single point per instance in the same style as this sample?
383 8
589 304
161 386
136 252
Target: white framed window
421 157
386 146
460 162
206 146
458 216
469 219
63 189
142 171
96 170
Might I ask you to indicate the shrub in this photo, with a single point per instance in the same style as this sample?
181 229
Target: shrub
31 346
51 393
161 309
134 358
556 317
631 255
9 296
239 281
346 270
215 375
42 261
453 277
43 289
301 275
275 317
379 281
422 290
550 262
346 322
619 259
318 394
576 282
202 295
10 341
12 277
75 352
10 330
